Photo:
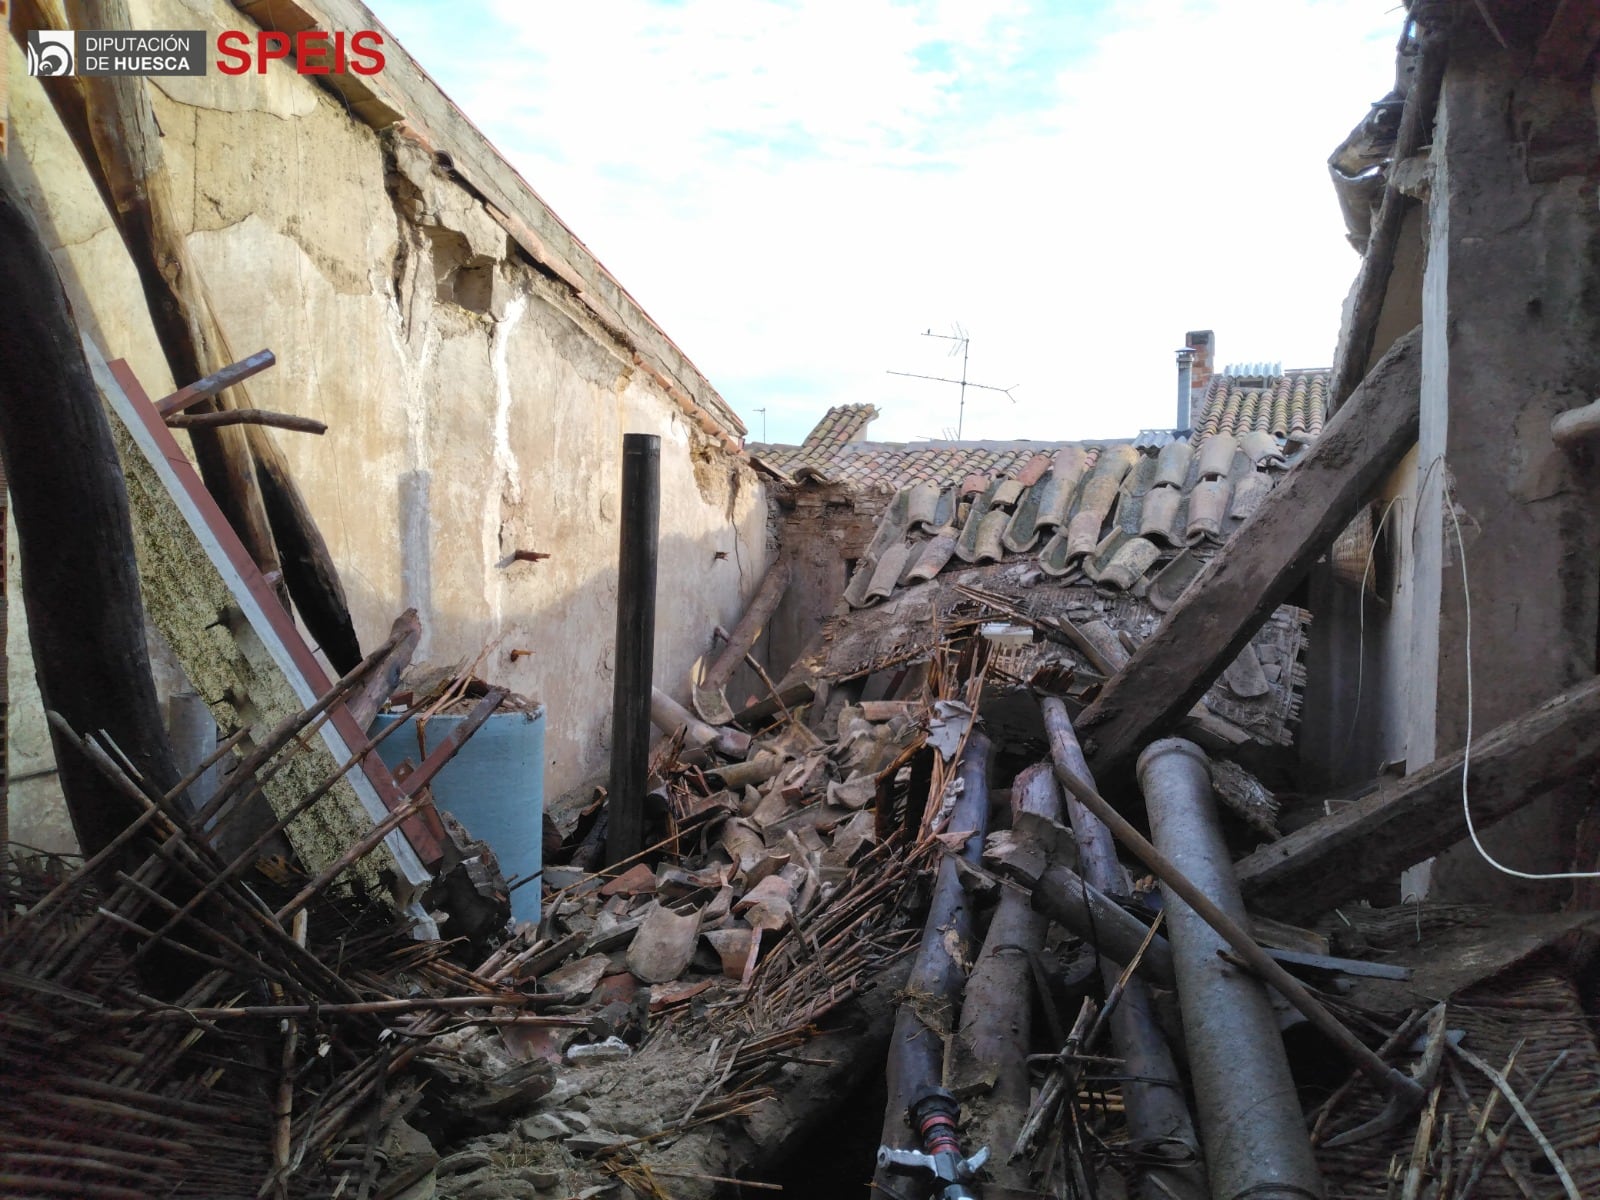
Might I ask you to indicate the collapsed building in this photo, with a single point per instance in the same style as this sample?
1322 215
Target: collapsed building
1205 812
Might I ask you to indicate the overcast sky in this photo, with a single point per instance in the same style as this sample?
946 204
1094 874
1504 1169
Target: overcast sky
795 190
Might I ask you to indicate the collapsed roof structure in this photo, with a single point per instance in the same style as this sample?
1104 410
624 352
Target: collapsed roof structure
1064 819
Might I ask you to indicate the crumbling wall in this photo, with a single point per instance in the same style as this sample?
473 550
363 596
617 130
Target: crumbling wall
475 406
824 529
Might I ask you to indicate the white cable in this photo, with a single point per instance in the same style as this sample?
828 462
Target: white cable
1361 626
1466 752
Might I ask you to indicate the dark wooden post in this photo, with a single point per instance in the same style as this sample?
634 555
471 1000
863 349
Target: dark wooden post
80 585
636 643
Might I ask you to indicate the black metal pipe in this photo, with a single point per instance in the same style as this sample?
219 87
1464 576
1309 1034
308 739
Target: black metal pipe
927 1014
1255 1137
633 662
1153 1098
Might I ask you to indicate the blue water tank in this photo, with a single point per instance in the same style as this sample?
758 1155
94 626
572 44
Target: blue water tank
494 786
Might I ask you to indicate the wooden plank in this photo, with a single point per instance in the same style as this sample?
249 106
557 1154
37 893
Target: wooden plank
1238 590
217 381
1369 842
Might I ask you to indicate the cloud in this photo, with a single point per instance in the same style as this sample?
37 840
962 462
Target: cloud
796 190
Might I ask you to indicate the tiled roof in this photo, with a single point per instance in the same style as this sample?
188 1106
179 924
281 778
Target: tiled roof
1291 406
890 464
1107 514
842 423
835 452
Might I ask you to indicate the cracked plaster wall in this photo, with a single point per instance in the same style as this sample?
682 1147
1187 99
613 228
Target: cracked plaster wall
473 408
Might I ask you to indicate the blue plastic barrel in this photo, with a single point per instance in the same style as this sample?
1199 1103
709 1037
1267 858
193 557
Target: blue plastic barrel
494 786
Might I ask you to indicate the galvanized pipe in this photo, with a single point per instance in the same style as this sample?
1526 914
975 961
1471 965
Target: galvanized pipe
1153 1096
1250 1121
1185 381
927 1014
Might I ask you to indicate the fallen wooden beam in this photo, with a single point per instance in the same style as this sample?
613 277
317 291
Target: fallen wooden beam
309 571
926 1015
708 697
1369 842
989 1055
762 711
365 704
1230 600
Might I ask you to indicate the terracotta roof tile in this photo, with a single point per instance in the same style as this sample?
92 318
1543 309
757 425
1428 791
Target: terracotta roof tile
1291 406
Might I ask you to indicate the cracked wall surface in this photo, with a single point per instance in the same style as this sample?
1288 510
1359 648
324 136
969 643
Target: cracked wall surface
474 406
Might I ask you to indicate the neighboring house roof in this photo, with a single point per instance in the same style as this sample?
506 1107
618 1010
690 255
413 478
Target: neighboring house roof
1104 534
827 457
1291 406
1108 514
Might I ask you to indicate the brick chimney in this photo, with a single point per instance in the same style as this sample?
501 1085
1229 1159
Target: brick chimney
1204 344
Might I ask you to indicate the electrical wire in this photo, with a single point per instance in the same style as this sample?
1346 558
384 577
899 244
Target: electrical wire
1466 752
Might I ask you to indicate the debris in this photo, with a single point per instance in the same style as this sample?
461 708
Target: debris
611 1049
664 944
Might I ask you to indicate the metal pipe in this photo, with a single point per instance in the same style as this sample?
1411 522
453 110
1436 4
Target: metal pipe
633 662
1153 1097
1185 384
916 1050
1255 1137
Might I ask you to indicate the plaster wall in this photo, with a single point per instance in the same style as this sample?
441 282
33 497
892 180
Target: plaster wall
1511 323
474 407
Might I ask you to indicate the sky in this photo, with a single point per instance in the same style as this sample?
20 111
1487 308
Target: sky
796 190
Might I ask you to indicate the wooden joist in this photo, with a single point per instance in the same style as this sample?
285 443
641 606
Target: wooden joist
1369 842
1230 600
80 586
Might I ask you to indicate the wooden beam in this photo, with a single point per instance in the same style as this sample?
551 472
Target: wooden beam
708 696
80 584
247 416
128 156
115 130
1369 842
1377 265
1570 40
1238 590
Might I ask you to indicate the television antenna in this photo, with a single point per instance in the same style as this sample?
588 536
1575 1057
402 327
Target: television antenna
763 413
961 343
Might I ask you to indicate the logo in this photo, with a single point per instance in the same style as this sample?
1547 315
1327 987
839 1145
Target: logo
51 52
56 52
315 51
